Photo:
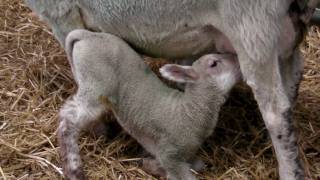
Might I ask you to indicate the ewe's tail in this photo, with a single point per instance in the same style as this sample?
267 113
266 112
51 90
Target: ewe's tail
72 38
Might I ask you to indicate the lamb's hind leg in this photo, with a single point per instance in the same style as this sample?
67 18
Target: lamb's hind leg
76 114
79 113
94 78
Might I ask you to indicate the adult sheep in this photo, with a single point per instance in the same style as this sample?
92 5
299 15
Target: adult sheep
265 35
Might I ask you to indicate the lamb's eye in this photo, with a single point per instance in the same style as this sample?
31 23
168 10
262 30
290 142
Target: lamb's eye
214 64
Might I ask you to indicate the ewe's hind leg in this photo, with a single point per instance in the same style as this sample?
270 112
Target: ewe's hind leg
275 103
291 72
261 49
63 16
76 114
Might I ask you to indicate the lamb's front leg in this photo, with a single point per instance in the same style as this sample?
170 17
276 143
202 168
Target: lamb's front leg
153 166
275 103
175 157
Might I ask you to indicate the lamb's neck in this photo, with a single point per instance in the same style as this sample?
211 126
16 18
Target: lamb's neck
139 79
132 69
204 97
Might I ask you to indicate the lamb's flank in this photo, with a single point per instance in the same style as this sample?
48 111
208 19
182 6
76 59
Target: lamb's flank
146 97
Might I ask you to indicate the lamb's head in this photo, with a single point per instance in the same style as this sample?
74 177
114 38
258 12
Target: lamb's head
220 70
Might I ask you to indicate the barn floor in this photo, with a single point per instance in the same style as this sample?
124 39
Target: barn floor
35 79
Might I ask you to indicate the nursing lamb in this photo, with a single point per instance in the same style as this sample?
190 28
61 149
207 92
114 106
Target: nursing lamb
169 124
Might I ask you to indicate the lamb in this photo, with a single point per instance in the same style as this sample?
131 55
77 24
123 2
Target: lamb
168 123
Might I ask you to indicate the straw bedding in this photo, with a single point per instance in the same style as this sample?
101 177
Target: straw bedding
35 80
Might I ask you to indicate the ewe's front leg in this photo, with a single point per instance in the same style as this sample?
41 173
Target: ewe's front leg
271 90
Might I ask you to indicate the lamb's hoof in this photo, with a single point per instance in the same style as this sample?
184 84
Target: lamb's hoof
198 165
153 167
77 174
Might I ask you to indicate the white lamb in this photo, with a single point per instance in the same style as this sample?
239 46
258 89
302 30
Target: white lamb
169 124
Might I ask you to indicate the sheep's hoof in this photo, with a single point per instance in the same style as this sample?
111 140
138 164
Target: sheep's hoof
153 167
77 174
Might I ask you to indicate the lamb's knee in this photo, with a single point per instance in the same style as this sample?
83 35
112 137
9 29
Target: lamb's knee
81 112
69 111
74 116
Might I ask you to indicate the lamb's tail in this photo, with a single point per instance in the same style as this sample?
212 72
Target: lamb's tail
72 38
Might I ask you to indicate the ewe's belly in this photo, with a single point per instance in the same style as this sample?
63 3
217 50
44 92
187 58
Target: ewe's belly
184 43
157 28
172 43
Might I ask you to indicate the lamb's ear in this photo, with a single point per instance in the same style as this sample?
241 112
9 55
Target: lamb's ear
179 73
